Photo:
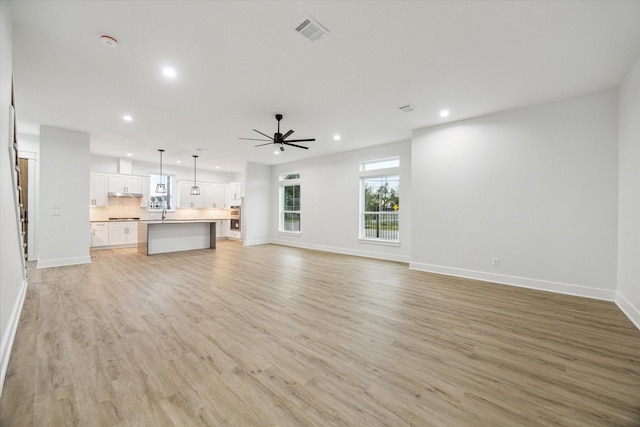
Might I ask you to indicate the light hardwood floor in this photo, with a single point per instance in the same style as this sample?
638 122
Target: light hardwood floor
277 336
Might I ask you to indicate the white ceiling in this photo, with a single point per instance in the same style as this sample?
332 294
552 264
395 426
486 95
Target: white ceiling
240 62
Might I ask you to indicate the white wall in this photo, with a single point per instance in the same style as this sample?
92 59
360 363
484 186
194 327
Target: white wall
534 187
13 283
330 202
64 187
256 209
628 295
110 165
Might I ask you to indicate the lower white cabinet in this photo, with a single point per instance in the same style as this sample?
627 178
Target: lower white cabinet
99 234
111 233
123 233
222 228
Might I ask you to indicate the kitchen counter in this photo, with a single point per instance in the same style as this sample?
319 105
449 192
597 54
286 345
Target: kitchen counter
173 235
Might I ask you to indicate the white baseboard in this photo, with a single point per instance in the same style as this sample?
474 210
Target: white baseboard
60 262
10 333
344 251
632 312
256 242
523 282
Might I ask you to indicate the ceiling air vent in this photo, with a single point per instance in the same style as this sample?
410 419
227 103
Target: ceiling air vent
407 108
311 29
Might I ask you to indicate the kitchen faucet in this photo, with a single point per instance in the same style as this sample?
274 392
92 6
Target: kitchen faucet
164 214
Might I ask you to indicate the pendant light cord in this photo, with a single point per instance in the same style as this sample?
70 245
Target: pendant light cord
194 169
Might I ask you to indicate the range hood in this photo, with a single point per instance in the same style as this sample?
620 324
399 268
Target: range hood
125 167
132 195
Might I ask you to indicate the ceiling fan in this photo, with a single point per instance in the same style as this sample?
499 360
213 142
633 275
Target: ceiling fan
279 138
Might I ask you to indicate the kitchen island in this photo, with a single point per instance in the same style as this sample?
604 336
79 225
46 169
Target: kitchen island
162 236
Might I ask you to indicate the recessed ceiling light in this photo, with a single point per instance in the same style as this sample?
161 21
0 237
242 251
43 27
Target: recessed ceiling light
444 113
178 161
169 72
336 137
129 154
276 152
108 40
217 167
127 118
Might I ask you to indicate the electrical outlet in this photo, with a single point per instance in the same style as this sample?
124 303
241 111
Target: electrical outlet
495 262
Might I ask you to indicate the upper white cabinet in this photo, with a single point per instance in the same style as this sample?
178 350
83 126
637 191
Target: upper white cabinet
98 190
186 199
213 195
125 184
146 192
236 190
233 193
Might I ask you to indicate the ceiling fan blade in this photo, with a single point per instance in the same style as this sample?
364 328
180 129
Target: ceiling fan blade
263 134
286 135
302 140
260 145
294 145
254 139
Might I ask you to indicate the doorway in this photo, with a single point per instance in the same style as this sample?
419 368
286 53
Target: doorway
24 184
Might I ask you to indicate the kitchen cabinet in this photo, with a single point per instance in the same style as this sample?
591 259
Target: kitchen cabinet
213 195
98 190
187 200
125 184
99 234
233 193
236 190
222 227
146 192
123 233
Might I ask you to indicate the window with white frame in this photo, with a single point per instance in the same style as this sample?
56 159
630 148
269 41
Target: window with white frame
380 200
290 202
160 201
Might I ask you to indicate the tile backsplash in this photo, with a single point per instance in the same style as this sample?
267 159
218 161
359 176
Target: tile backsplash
126 207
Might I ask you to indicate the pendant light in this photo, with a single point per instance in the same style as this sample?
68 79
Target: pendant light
195 190
160 188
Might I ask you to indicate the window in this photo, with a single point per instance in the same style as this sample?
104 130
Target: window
373 165
160 201
290 202
380 200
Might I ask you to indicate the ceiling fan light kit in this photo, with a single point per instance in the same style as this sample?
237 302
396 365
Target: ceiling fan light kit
279 138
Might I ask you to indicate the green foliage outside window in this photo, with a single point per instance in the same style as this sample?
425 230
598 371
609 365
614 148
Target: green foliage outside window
291 208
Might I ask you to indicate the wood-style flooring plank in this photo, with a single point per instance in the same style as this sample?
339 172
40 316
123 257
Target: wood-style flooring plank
277 336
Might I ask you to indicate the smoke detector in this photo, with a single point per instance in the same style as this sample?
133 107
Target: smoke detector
311 29
108 40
